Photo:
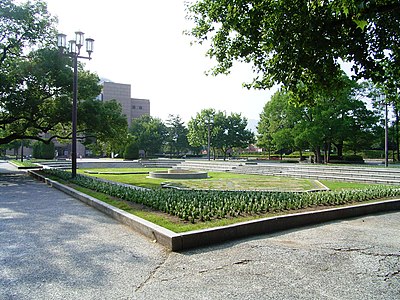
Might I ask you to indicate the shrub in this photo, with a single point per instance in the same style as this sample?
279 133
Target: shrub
131 151
353 158
43 151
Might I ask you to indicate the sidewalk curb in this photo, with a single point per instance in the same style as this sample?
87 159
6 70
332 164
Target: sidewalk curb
24 168
199 238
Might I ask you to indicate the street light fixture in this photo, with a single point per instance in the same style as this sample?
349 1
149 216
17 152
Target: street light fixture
73 50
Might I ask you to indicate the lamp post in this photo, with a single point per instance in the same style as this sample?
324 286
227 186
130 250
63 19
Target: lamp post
382 101
386 136
73 50
208 140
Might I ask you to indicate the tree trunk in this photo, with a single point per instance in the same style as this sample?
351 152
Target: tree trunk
339 148
328 154
317 153
22 151
397 135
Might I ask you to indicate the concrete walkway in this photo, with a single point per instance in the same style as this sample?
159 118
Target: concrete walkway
54 247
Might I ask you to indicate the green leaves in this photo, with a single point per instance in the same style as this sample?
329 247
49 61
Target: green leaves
292 42
225 131
201 206
149 133
361 23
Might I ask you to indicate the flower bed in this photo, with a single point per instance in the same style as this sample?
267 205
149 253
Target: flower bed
197 206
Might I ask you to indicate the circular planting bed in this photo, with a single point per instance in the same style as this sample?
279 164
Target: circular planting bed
178 174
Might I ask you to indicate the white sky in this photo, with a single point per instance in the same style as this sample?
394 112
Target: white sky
141 43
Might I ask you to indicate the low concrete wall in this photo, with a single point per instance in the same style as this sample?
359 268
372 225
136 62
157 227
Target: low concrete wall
178 174
200 238
193 239
111 164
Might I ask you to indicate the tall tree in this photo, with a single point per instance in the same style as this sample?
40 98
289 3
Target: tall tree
235 134
36 81
344 118
149 133
204 128
299 42
177 135
224 132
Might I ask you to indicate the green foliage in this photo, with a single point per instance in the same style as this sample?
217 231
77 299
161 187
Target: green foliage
177 141
342 120
225 131
149 133
36 82
353 158
43 151
195 206
299 43
131 150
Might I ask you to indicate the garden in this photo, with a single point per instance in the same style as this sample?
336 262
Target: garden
222 199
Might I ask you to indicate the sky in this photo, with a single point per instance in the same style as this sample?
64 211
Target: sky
141 43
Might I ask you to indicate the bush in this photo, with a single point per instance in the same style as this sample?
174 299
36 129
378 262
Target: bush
347 159
374 154
131 151
43 151
353 158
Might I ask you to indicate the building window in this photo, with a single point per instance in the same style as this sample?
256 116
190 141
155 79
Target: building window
140 107
133 106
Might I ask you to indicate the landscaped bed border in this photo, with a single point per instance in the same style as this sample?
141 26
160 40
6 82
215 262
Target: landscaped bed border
205 237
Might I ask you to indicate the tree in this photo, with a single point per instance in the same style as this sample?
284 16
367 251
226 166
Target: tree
342 120
204 128
225 132
235 134
277 123
264 138
43 151
36 82
299 42
176 135
131 150
149 133
105 124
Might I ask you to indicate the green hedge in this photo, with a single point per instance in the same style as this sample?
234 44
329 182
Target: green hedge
131 151
43 151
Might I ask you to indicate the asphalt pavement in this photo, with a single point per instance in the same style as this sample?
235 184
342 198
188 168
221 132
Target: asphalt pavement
53 246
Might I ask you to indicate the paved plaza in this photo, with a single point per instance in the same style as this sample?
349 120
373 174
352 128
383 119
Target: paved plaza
53 246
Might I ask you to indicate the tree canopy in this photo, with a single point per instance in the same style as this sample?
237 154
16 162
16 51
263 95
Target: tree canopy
176 141
294 42
343 120
36 82
149 133
225 131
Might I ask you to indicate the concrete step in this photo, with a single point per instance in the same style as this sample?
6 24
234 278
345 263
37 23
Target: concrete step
380 176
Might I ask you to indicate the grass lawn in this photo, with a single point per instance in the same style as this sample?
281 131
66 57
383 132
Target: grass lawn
216 181
25 163
223 181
